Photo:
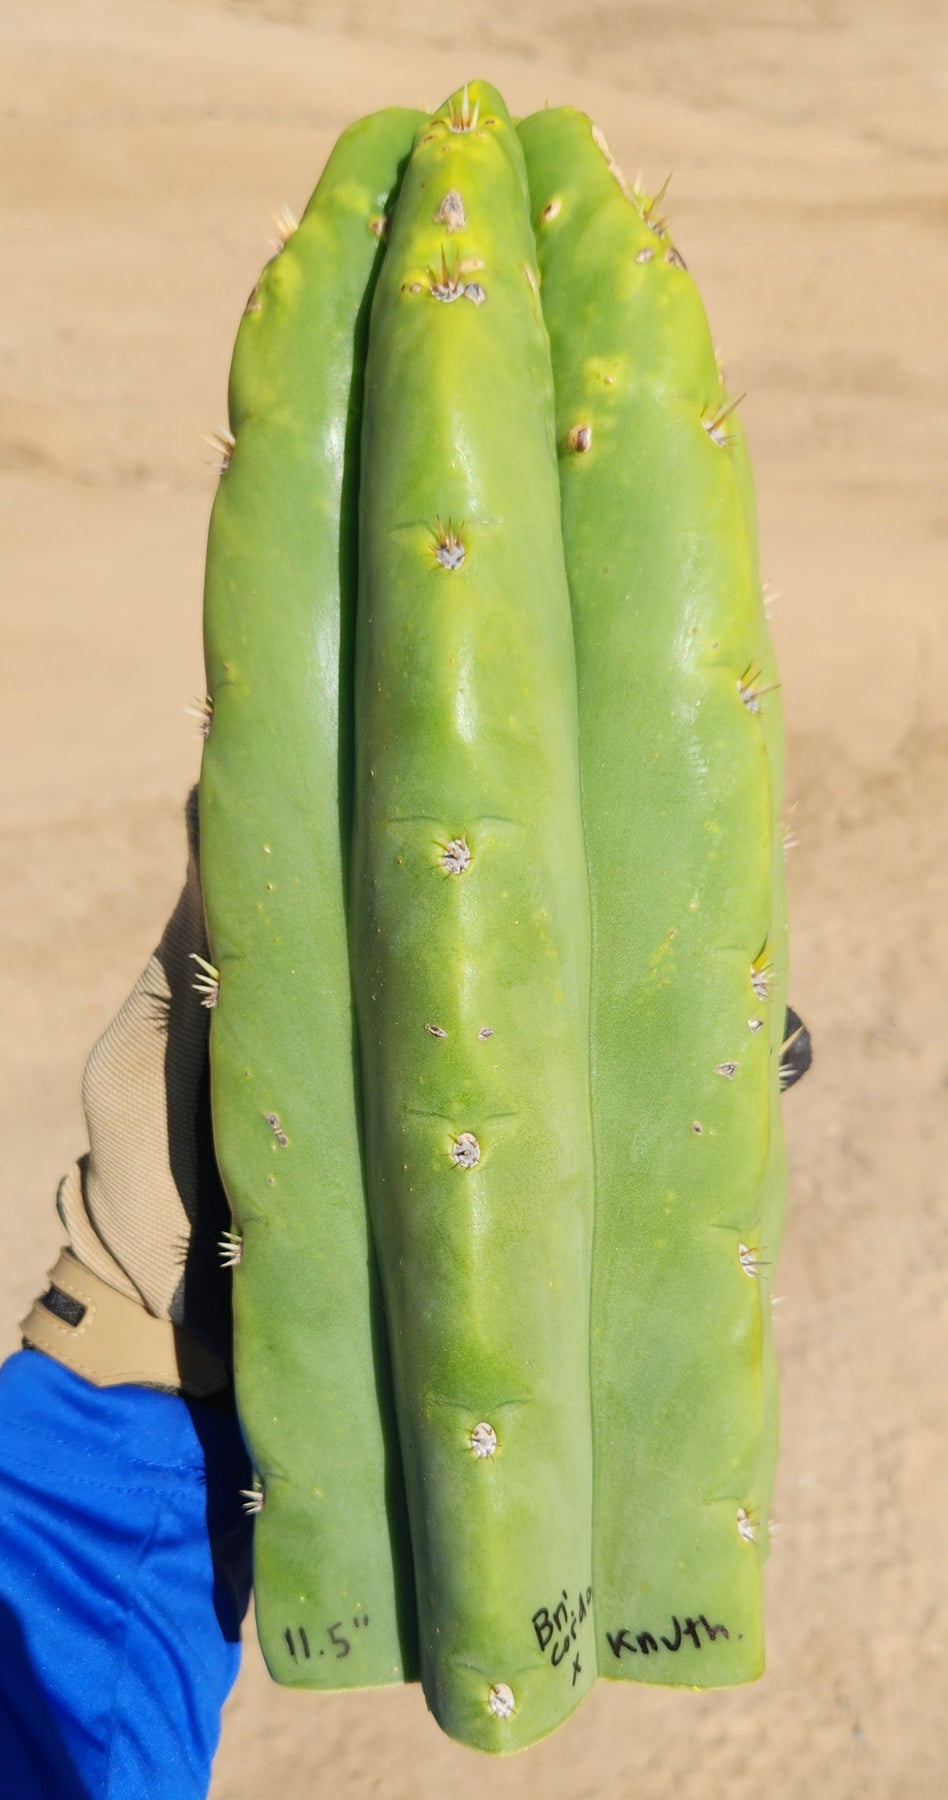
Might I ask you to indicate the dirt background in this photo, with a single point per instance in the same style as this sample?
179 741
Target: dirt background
143 148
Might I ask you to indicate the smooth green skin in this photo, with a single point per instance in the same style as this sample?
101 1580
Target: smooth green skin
331 1557
466 724
680 785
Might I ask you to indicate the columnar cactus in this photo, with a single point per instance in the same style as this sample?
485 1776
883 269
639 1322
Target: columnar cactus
332 1570
521 801
469 912
679 799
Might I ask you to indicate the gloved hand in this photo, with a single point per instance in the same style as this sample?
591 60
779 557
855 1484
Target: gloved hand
140 1294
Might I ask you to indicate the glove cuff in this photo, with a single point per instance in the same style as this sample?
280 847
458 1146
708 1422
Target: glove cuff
108 1339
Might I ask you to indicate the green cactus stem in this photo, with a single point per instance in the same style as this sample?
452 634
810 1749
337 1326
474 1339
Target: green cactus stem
331 1562
469 914
680 754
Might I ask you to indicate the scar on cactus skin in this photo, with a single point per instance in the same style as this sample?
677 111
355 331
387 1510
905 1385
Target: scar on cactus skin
580 438
451 213
273 1121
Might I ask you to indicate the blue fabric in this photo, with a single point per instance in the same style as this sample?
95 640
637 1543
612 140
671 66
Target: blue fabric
124 1576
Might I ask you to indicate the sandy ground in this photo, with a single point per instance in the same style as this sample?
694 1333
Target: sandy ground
143 148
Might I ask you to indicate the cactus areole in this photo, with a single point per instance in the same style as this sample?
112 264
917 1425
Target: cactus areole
493 877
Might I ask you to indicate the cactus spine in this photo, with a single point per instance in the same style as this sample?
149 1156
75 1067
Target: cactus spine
678 747
469 917
331 1565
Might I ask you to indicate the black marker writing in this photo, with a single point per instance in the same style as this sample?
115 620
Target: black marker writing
643 1643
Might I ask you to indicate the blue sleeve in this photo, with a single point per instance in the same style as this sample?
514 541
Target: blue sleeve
124 1577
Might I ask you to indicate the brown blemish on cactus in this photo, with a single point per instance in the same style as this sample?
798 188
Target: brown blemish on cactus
714 424
501 1701
449 548
466 1151
580 438
483 1440
552 210
273 1121
437 1031
697 1127
451 212
379 225
456 856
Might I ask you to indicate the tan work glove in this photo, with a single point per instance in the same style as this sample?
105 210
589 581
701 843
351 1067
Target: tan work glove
140 1294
